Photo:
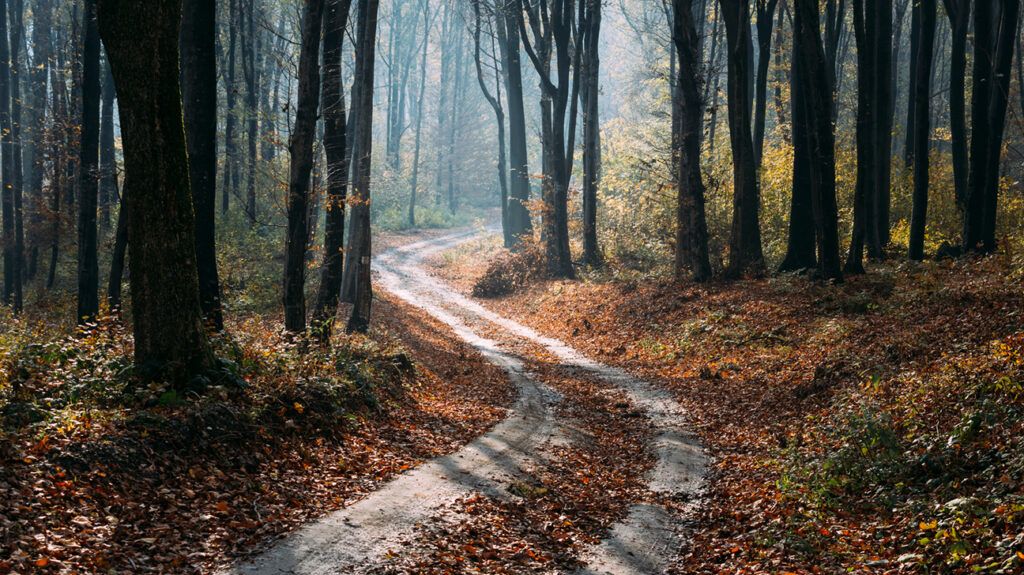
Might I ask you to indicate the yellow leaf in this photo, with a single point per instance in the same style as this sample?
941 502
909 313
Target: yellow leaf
298 407
928 526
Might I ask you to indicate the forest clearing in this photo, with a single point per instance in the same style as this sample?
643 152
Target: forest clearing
590 287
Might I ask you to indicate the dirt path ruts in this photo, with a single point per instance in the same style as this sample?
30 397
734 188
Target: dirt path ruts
358 537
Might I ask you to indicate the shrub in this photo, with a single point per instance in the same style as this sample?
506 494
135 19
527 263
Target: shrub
512 271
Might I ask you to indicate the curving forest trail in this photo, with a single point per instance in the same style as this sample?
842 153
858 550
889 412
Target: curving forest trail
367 537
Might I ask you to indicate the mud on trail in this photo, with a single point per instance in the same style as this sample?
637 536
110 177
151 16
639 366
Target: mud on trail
593 471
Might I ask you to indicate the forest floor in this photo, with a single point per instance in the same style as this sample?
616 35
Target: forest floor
870 427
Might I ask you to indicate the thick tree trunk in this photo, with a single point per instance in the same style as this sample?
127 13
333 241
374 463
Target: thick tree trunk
89 154
199 91
817 104
921 136
745 252
141 37
800 248
878 239
300 148
357 264
691 225
864 26
335 144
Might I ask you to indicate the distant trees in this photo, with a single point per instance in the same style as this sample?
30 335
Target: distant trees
142 42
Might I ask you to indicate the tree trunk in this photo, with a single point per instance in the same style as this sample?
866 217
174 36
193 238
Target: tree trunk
800 249
415 182
817 104
922 124
229 185
199 91
745 254
878 239
300 148
17 13
117 258
88 265
864 27
357 264
959 12
42 44
765 23
141 37
520 224
591 133
691 225
335 144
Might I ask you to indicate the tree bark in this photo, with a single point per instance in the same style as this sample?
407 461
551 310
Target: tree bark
691 255
745 252
357 264
520 224
141 37
590 98
300 148
959 13
88 264
765 23
921 138
335 144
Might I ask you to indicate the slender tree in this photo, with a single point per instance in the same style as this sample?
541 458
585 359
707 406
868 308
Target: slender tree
88 263
745 252
415 178
199 91
519 221
959 14
335 146
108 159
921 138
765 23
590 43
42 45
300 148
495 101
357 264
141 37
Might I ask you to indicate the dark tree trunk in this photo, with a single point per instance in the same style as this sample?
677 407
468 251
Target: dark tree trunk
17 13
108 158
357 264
520 224
816 83
864 27
910 129
6 140
335 144
251 47
199 91
780 108
879 238
765 23
300 148
745 253
552 26
800 249
590 98
229 185
959 12
920 139
691 225
994 46
141 37
89 154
